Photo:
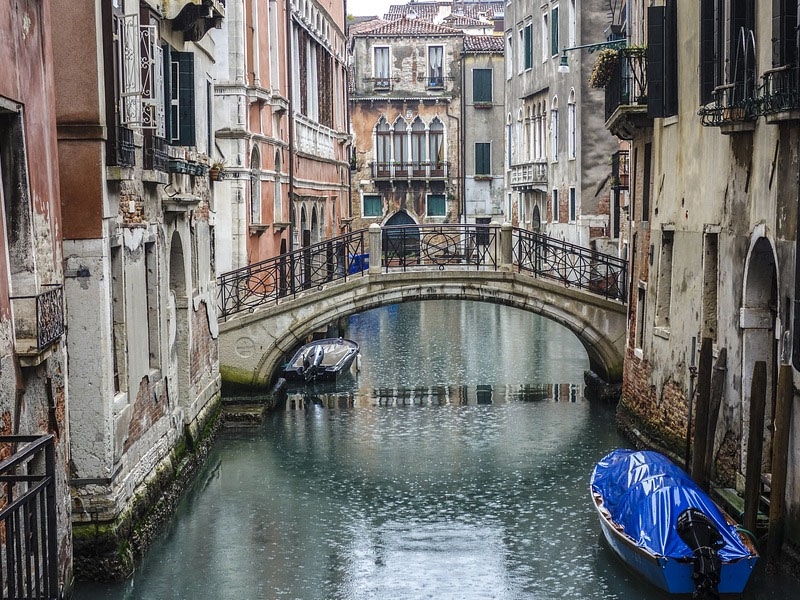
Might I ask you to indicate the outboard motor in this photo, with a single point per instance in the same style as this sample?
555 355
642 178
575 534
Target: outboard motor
310 372
704 540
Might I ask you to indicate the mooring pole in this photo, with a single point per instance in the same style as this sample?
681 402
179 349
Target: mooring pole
755 442
701 412
715 400
780 456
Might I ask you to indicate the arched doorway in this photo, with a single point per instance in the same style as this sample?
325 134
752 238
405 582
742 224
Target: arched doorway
401 237
536 220
758 316
178 320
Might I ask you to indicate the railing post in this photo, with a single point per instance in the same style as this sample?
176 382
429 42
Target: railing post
375 250
506 246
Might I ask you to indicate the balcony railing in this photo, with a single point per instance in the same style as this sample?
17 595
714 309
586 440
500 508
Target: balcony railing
529 175
628 83
39 319
156 153
28 523
734 103
121 148
387 171
780 92
620 169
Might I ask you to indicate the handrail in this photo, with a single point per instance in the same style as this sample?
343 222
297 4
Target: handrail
419 247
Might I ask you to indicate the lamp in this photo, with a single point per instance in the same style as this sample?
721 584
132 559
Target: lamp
563 66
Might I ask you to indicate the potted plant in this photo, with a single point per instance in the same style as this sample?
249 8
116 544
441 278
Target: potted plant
604 66
216 170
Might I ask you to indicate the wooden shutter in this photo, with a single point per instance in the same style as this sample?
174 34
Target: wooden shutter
707 56
662 60
186 98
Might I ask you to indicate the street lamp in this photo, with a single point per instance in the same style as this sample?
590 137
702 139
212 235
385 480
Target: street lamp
563 65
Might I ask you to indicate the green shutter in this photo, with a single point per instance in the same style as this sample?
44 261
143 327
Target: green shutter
482 154
554 31
482 85
186 98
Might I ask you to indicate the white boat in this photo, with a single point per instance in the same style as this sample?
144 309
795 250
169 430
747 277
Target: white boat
323 360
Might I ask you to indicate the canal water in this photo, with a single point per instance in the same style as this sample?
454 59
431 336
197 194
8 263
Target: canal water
455 466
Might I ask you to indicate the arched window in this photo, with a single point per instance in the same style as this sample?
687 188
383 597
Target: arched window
554 130
572 126
418 148
400 148
255 186
383 148
278 189
436 146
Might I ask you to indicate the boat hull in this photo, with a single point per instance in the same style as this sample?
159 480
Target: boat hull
666 573
339 357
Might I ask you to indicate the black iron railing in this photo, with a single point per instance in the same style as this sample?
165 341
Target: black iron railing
440 246
43 312
270 280
409 170
569 264
628 82
620 169
28 526
450 246
156 153
121 147
780 91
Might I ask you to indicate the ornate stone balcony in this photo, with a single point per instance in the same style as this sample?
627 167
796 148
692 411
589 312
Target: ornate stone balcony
530 176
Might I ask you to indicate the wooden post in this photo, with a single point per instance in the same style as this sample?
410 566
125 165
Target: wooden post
701 410
715 400
755 442
780 455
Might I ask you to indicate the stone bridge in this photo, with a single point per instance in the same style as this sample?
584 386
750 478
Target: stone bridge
255 338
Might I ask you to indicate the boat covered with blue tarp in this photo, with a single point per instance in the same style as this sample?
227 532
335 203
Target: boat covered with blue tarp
661 523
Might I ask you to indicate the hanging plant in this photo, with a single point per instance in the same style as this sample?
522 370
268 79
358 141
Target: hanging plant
604 67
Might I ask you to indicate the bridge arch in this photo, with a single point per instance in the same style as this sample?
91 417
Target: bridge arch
252 346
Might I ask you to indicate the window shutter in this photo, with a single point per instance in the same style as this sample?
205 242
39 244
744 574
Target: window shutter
186 98
707 57
482 85
554 32
662 60
167 57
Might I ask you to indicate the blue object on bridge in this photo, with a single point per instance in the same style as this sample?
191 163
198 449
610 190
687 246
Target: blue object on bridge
662 524
358 263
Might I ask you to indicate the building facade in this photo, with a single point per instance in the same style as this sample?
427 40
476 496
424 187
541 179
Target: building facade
33 357
558 172
280 128
133 98
713 218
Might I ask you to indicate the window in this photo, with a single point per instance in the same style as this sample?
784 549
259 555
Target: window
418 154
372 205
640 315
380 67
509 57
555 206
400 156
437 207
435 66
554 31
545 36
482 86
527 42
664 290
572 24
572 140
483 165
573 206
180 113
647 182
436 144
255 187
383 148
662 61
554 131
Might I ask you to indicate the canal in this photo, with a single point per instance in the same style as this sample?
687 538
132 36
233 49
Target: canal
455 466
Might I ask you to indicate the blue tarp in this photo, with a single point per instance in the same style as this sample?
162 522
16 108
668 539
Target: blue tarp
645 493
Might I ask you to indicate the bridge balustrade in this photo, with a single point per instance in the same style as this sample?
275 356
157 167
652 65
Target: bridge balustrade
451 246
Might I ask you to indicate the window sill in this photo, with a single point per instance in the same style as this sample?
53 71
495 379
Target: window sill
258 229
482 105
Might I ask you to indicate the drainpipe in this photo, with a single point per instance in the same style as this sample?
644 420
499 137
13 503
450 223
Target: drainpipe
290 85
462 172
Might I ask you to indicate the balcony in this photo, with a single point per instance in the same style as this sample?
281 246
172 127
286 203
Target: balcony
626 95
620 170
408 171
734 108
156 154
38 322
121 148
195 17
314 139
779 97
529 176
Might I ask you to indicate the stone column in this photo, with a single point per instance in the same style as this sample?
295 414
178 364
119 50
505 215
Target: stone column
375 249
506 246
